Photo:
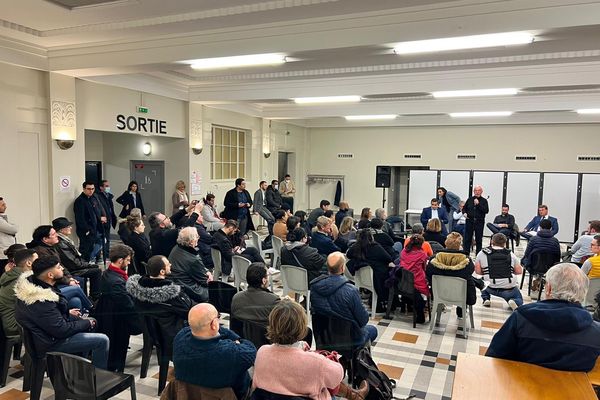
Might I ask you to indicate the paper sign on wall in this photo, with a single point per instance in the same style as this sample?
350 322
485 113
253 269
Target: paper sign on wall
65 183
195 182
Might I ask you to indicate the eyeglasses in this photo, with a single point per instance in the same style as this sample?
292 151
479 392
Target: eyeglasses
217 317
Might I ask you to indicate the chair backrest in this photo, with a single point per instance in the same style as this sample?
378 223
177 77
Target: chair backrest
449 290
216 257
590 298
333 333
71 375
220 295
363 278
240 267
541 261
436 247
255 332
295 278
255 240
29 343
348 275
406 282
160 339
277 246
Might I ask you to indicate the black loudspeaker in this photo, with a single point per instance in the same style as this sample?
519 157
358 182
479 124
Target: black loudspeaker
383 177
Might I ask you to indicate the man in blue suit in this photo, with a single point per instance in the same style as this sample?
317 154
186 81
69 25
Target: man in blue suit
534 225
435 211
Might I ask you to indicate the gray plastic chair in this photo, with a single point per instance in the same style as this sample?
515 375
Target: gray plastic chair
450 290
590 298
240 268
295 279
277 246
257 243
348 275
363 279
217 269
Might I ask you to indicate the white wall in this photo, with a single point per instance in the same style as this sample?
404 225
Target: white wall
556 147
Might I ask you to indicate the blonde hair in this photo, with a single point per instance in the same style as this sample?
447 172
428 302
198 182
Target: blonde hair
453 241
287 323
179 183
322 222
346 225
434 225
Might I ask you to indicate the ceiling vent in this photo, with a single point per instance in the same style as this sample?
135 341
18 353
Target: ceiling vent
466 156
588 158
525 158
413 156
345 155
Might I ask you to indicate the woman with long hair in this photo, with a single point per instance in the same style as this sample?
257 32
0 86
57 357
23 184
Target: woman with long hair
414 259
180 197
131 199
433 232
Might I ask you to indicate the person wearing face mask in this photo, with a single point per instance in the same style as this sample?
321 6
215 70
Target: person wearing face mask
287 190
297 252
105 197
273 197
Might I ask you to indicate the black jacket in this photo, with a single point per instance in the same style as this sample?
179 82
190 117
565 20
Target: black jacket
386 242
43 310
88 212
126 200
476 212
544 242
70 257
231 202
106 201
435 237
188 271
340 215
164 239
162 299
204 246
307 258
505 219
223 243
378 259
273 199
140 244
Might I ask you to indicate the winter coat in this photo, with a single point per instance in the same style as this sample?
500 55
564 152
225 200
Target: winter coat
386 242
188 271
43 310
163 300
87 216
307 258
554 334
273 199
70 257
163 240
334 295
126 200
543 242
140 244
253 305
223 243
378 259
231 210
8 300
106 200
453 263
415 261
323 243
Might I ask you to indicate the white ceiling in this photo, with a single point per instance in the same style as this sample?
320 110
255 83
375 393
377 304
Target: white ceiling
334 47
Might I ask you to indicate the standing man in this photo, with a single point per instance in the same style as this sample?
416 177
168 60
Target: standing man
288 189
8 234
475 209
237 206
106 200
260 205
89 217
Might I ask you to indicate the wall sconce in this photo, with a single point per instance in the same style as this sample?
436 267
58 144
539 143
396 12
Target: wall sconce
64 144
267 155
197 150
147 148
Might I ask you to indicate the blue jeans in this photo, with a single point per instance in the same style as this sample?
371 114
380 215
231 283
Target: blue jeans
76 298
370 333
86 342
509 294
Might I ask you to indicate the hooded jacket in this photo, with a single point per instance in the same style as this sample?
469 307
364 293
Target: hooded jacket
43 310
8 299
453 263
308 257
554 334
334 295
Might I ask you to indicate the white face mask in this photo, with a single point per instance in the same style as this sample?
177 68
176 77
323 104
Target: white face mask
287 179
275 187
107 189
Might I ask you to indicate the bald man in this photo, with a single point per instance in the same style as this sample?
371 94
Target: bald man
334 295
209 355
475 209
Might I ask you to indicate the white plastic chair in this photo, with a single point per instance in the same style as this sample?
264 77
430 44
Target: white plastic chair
450 290
218 266
295 279
590 298
363 279
257 243
240 268
348 275
277 246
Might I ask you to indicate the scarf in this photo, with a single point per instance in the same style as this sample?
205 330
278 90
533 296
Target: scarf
119 271
182 197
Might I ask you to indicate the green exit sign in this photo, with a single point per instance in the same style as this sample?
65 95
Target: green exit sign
142 110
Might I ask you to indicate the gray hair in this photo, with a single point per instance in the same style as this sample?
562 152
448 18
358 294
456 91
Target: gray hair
379 213
136 212
417 228
567 282
187 236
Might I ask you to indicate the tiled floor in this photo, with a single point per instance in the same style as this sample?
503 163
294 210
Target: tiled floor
421 361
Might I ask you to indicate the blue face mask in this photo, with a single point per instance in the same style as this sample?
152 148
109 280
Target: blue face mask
107 189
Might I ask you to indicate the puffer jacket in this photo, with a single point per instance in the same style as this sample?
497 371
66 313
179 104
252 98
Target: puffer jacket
544 242
307 258
43 310
334 295
8 299
453 263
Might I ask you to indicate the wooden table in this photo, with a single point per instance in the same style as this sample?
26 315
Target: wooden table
478 377
594 375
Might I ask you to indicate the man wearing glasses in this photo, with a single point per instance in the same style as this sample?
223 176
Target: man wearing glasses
163 234
591 266
209 355
89 220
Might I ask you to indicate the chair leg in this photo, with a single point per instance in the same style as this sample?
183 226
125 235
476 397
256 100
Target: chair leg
523 278
26 372
471 317
17 351
391 299
6 362
373 303
146 355
530 283
132 388
541 288
37 379
162 374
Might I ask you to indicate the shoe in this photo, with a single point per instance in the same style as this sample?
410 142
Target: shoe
487 303
512 304
535 285
230 279
354 394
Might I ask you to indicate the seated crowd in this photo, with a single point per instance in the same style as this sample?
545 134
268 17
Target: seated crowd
71 302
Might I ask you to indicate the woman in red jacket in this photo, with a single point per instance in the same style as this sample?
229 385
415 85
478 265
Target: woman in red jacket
414 259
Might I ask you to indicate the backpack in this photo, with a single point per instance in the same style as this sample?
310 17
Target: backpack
380 386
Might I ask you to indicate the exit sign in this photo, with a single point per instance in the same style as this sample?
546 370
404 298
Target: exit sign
142 110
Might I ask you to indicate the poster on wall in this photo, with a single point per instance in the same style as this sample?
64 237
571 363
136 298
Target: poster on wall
195 183
65 183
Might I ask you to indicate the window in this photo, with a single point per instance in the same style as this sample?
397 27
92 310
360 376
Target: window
227 153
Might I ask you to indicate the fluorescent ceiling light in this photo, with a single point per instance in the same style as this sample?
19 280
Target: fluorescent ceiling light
238 61
327 99
588 111
370 117
464 42
475 93
481 114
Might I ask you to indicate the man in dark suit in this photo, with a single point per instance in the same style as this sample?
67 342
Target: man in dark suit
475 208
534 225
89 217
435 211
237 204
106 200
260 205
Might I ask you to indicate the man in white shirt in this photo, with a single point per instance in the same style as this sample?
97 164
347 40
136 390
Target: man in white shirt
581 248
8 232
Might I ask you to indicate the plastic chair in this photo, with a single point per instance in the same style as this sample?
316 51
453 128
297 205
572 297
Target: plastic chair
295 279
164 348
255 332
363 279
405 287
7 345
436 247
257 243
541 262
277 246
35 366
220 295
240 267
146 350
348 275
216 257
182 390
450 290
75 377
590 298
